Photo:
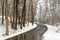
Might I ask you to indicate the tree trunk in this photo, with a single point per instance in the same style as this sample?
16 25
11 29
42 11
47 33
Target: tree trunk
6 16
32 12
2 12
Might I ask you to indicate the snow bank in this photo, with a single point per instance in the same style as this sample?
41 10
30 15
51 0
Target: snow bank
12 32
51 33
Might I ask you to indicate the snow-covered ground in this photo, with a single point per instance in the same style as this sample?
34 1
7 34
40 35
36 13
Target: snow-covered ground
12 32
53 33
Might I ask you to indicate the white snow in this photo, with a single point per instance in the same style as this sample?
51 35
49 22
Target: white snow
51 33
12 32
